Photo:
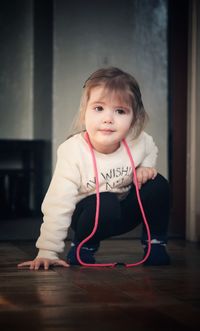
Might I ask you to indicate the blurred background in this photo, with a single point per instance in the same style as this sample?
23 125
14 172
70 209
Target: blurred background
49 48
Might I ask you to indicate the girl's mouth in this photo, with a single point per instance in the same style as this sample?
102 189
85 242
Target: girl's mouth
106 131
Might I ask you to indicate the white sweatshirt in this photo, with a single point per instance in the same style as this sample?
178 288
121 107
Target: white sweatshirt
74 179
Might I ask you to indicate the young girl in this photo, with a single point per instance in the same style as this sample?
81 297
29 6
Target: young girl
111 110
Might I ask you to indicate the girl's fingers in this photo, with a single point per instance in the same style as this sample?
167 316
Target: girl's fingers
145 174
142 177
46 265
35 264
139 177
62 263
24 264
154 173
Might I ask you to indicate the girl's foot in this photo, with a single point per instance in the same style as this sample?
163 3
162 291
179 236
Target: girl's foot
158 255
86 254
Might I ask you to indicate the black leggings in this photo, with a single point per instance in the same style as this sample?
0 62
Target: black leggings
117 217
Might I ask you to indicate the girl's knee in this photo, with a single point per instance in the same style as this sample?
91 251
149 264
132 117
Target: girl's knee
162 181
159 186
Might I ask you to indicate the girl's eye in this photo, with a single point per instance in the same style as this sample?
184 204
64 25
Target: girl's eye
120 111
98 108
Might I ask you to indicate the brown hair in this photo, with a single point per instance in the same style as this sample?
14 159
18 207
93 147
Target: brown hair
120 82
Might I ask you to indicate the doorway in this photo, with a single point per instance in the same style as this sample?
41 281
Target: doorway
177 101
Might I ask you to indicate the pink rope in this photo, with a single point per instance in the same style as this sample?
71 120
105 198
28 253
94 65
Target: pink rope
141 209
128 265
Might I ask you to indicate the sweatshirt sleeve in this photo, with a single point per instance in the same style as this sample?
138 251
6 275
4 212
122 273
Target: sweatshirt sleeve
151 152
58 205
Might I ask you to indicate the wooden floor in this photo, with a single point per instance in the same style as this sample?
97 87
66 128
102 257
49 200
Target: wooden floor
77 298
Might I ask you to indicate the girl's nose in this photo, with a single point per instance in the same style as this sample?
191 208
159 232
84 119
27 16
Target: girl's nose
108 117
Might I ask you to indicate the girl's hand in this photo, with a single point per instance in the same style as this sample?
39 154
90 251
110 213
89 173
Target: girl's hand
144 174
38 262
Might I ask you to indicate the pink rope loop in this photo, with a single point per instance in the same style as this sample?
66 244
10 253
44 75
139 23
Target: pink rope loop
96 216
98 208
141 208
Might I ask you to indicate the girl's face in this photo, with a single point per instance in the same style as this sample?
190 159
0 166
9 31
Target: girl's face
107 120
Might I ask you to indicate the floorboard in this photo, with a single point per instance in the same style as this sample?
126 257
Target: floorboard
78 298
